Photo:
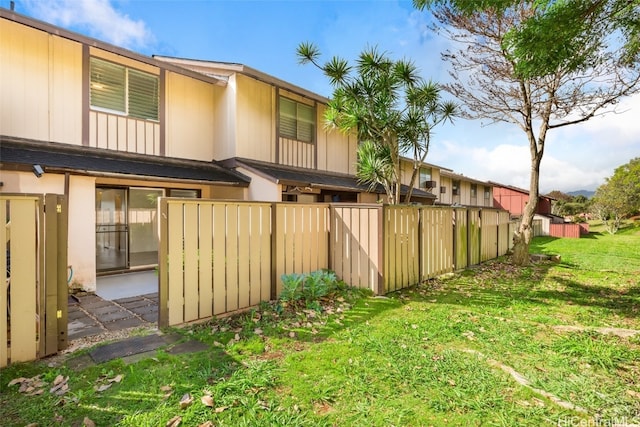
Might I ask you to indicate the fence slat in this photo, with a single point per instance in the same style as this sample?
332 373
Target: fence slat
190 259
4 231
175 254
244 258
24 280
205 260
232 257
219 255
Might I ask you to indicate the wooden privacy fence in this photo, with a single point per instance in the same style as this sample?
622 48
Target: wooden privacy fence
33 267
218 257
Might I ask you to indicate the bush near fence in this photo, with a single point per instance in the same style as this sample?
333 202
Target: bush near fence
218 257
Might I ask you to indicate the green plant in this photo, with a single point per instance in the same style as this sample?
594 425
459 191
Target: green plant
291 287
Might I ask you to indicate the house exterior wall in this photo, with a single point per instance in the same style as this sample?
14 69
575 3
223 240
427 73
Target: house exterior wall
262 189
189 125
255 124
514 201
40 85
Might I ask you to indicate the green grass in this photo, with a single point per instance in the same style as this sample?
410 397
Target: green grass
424 356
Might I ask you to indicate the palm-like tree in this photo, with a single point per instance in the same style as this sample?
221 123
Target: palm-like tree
392 109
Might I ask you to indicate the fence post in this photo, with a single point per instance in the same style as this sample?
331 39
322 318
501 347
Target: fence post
63 273
163 289
275 230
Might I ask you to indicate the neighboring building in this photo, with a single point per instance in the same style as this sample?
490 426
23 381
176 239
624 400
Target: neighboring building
449 188
513 199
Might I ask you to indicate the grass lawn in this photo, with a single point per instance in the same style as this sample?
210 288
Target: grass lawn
550 344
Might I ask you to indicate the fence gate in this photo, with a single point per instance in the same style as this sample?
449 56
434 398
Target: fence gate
33 305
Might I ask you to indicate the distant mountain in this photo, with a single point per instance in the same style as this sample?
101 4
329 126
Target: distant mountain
586 193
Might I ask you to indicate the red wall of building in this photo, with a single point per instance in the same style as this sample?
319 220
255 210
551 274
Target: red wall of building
514 201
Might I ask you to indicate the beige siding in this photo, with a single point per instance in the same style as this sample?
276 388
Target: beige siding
224 120
189 124
256 119
40 85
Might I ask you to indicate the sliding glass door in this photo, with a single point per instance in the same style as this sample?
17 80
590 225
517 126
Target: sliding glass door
112 230
143 226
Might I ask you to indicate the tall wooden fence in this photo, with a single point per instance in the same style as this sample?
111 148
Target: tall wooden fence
219 257
33 267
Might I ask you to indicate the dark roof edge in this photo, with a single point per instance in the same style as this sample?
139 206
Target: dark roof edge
243 180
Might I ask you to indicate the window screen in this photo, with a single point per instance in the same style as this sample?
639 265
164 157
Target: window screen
297 120
117 88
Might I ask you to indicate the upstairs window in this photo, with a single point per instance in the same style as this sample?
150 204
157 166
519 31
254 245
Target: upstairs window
455 188
425 178
474 191
487 193
297 120
123 90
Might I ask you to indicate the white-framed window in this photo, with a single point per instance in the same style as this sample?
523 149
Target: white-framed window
487 192
123 90
455 188
297 120
474 191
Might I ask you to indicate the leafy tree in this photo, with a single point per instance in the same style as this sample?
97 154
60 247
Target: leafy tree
497 81
392 109
561 33
619 196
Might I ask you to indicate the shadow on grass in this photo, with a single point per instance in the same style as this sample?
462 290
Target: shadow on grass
502 286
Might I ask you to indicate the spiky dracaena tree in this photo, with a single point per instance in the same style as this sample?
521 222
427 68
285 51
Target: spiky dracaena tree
392 109
541 89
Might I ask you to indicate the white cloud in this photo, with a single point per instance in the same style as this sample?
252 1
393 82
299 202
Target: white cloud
97 17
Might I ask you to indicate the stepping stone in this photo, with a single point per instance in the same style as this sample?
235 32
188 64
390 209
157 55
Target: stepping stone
192 346
126 347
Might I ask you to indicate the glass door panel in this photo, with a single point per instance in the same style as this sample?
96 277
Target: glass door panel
112 230
143 226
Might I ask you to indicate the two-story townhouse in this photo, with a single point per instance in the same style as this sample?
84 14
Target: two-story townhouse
447 187
273 132
110 129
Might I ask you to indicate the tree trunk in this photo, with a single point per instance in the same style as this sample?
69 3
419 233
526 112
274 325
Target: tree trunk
522 237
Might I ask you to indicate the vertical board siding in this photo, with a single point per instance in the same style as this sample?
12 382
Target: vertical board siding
489 234
473 230
503 233
401 261
354 245
565 230
436 254
461 226
22 229
225 256
297 153
218 258
116 132
298 225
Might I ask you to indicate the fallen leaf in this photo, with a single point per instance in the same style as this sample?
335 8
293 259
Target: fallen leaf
59 380
17 381
207 401
116 379
186 401
237 337
206 424
32 425
102 388
165 388
257 331
292 334
174 422
88 423
221 409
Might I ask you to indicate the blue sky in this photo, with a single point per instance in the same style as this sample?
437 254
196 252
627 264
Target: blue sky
263 34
